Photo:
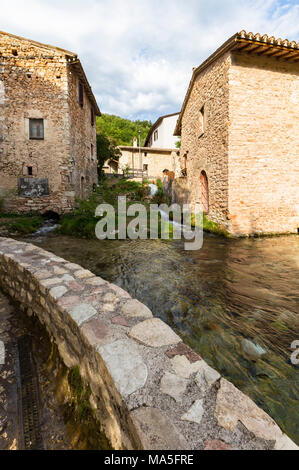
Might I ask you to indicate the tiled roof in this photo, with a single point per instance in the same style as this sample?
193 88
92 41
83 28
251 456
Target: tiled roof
243 42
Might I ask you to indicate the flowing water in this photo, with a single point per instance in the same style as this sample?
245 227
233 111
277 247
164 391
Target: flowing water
234 301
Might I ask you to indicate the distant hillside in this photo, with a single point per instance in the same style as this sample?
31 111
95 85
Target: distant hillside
122 131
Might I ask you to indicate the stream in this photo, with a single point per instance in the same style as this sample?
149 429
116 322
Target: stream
234 301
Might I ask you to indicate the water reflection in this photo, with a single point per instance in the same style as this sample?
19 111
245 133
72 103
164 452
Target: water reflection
228 292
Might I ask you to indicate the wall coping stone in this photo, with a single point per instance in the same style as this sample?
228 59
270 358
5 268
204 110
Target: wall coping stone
150 391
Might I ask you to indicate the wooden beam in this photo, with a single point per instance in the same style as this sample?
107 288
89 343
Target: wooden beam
291 55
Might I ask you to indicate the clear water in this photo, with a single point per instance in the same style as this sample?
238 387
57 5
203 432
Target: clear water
228 292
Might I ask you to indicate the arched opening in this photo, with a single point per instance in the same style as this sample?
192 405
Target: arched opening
204 198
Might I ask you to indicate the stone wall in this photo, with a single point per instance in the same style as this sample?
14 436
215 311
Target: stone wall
249 147
263 145
207 151
148 389
35 83
157 160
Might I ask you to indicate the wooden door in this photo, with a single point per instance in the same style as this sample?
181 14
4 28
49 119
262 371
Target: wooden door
204 192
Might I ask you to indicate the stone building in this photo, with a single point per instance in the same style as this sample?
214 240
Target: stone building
239 128
47 127
147 162
161 133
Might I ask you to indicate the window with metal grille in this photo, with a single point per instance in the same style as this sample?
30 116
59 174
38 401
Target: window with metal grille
81 94
36 129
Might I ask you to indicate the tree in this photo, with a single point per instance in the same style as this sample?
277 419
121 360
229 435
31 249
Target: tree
106 151
122 131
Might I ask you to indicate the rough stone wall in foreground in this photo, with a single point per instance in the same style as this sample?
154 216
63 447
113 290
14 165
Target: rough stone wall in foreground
149 390
263 145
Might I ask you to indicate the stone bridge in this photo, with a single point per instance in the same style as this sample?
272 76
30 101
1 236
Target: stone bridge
148 389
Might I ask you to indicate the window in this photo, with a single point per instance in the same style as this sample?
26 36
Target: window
36 129
30 170
202 121
92 151
81 94
156 135
145 167
92 116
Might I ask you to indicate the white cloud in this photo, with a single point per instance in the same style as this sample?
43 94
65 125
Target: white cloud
138 55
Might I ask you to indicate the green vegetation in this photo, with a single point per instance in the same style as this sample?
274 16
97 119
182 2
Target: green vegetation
211 227
81 394
121 131
20 224
82 222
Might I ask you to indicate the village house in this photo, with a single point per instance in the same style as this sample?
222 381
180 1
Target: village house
47 127
158 153
239 128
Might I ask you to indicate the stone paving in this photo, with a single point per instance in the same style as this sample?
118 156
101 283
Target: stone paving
149 390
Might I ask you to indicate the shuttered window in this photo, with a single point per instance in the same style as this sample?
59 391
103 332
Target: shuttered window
36 129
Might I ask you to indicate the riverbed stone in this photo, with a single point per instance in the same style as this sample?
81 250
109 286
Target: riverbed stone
157 431
82 312
154 333
195 413
94 330
206 376
125 365
183 367
252 351
173 386
233 406
135 309
58 291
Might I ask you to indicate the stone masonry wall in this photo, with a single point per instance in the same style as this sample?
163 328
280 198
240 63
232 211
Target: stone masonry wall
83 137
148 389
208 152
34 83
263 145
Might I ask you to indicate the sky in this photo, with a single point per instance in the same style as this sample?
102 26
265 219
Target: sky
138 54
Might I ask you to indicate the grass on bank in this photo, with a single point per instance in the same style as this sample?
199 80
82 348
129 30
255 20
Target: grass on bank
20 224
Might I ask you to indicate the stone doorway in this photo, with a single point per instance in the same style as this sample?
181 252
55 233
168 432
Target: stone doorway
204 192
